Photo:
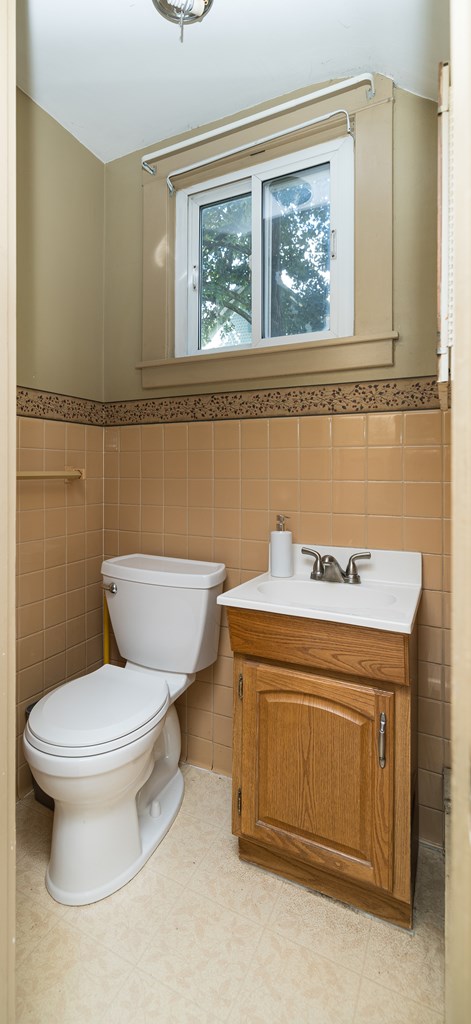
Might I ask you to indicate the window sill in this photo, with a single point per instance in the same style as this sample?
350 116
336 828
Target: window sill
283 365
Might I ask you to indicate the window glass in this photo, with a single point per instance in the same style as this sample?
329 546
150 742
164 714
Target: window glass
296 253
225 279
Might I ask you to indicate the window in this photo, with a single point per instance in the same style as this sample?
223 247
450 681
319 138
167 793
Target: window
352 324
265 257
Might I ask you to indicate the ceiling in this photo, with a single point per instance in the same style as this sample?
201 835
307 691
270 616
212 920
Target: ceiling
115 75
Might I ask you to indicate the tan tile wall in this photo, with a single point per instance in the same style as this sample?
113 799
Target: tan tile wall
59 552
211 489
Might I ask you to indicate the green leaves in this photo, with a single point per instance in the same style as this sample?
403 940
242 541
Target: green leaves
225 272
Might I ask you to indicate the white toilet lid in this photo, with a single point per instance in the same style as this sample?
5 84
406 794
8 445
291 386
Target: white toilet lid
101 711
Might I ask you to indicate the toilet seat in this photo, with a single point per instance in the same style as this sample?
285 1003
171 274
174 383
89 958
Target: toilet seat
100 712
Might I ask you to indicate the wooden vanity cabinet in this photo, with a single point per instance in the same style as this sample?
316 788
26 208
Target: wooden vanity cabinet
324 765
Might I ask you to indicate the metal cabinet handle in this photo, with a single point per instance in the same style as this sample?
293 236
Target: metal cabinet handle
112 587
382 740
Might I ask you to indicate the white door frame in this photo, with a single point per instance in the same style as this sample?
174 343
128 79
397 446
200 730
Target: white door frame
7 506
458 946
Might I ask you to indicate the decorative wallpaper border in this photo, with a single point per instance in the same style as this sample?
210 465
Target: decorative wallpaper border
45 405
415 393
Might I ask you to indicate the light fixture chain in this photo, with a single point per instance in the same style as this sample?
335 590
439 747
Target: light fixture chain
183 12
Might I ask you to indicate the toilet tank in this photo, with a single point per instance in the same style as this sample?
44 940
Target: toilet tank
163 611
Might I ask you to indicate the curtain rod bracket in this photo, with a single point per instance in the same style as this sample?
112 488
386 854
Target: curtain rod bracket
148 167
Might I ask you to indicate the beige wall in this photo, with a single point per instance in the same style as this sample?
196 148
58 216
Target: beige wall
415 235
211 490
60 258
123 278
80 259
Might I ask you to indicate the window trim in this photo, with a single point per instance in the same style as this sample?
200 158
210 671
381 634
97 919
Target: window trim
339 153
288 365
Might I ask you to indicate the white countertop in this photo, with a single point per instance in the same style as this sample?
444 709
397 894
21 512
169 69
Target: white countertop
387 597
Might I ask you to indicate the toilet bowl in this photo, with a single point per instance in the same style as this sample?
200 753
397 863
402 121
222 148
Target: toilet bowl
106 746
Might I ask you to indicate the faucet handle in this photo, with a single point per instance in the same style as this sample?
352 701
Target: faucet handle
351 572
317 569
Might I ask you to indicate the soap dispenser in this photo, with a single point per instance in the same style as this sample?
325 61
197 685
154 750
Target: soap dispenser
281 548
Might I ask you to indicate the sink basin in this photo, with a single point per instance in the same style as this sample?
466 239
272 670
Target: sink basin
387 597
336 596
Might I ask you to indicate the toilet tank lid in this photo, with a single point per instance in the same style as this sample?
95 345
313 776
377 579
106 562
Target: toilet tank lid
161 571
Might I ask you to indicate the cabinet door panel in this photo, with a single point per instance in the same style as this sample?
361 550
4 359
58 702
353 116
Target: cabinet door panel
312 784
309 734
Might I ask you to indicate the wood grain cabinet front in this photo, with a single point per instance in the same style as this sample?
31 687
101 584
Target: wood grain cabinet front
323 778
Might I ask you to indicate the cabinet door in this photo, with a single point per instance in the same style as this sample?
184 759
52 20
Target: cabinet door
312 783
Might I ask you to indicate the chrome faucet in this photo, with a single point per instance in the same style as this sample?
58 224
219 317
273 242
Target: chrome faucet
333 573
317 569
327 568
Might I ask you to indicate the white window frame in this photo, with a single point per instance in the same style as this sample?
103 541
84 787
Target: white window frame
339 154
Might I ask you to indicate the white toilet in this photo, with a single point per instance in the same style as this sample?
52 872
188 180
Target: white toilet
107 746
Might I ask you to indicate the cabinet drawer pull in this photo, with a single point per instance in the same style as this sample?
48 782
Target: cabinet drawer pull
382 740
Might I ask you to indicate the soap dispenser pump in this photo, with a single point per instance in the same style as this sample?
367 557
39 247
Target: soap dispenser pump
281 548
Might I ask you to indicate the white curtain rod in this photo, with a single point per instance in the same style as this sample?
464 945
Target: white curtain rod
255 145
262 115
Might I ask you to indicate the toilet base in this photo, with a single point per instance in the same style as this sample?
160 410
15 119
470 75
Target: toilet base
152 829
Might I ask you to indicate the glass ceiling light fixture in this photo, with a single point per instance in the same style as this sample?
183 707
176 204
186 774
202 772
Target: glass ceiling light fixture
292 193
183 12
